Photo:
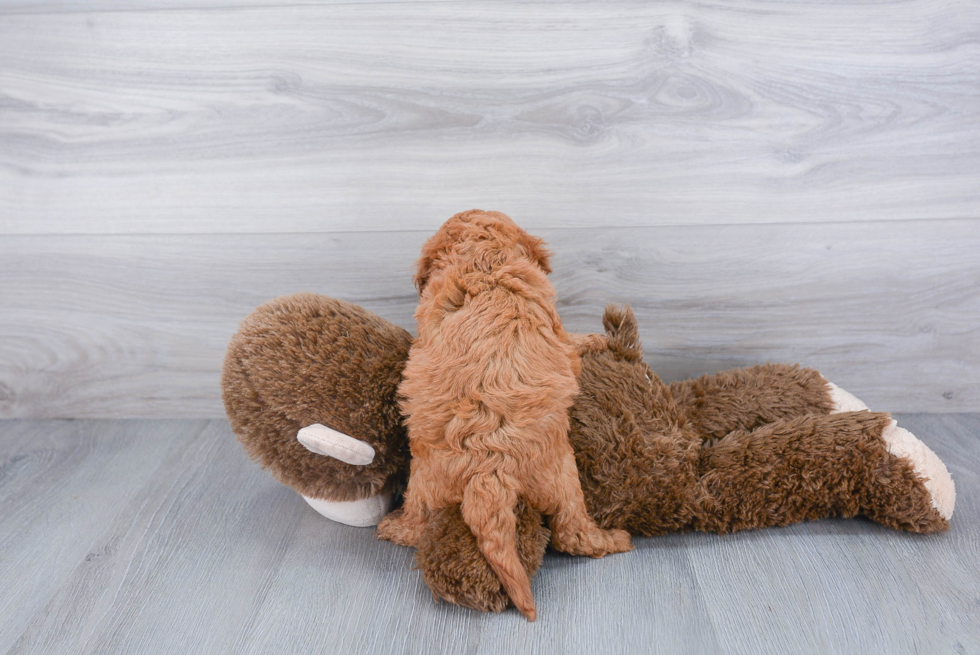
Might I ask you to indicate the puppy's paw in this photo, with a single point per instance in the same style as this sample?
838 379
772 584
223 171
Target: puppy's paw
397 530
595 543
621 541
613 541
388 528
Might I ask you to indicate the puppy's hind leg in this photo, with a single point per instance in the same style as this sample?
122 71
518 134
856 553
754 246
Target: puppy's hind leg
488 508
404 526
572 529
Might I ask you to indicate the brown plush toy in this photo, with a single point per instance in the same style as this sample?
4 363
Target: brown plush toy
749 448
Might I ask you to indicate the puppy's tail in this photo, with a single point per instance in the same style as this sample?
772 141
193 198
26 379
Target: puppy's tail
488 508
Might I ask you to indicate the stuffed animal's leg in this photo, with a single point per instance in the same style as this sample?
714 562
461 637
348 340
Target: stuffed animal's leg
747 398
816 466
903 443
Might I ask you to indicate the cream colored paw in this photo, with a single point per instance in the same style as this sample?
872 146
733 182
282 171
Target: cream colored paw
326 441
844 401
927 465
362 513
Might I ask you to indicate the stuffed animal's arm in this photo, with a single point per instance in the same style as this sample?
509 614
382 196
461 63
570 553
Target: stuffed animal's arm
327 442
747 398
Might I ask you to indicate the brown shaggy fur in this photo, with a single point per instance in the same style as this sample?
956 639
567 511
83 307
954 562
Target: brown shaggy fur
628 433
738 450
486 393
748 398
305 359
811 467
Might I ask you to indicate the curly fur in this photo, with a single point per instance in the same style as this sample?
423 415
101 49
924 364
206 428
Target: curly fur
486 394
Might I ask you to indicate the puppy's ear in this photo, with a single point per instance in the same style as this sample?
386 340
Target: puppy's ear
423 269
536 250
433 251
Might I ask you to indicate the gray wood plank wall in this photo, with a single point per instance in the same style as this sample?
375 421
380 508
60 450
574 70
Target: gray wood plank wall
760 180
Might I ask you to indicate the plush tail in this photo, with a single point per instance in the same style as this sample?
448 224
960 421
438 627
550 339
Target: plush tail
488 509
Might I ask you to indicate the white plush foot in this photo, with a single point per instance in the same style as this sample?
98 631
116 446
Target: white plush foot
902 443
844 401
326 441
362 513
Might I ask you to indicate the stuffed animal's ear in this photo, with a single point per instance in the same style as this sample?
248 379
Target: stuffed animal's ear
536 250
622 332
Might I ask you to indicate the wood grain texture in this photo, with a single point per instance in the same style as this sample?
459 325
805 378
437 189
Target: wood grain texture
128 326
195 549
379 116
61 483
14 7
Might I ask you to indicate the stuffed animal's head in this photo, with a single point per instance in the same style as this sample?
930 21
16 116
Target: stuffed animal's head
304 359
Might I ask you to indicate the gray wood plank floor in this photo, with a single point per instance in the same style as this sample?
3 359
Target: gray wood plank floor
161 537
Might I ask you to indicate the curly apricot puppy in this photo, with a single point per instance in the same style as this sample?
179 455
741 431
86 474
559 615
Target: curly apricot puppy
486 393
